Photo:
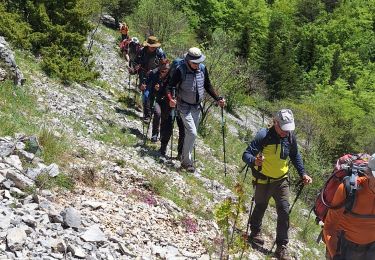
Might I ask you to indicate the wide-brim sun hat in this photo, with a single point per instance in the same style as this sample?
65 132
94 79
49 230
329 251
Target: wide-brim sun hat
152 41
194 55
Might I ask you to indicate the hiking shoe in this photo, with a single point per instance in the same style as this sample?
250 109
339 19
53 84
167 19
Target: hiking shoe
162 152
154 138
256 239
281 253
188 168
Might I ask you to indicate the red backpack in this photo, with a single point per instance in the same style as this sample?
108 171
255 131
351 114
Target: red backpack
347 169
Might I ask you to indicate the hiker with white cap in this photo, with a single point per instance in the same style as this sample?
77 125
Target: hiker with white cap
350 234
267 157
190 81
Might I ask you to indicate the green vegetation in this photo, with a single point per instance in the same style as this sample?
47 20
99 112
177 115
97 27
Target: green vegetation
17 110
44 181
115 135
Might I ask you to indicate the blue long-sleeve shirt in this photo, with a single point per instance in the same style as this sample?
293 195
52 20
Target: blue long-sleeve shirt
275 150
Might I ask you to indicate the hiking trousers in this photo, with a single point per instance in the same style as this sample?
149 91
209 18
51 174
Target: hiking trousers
190 115
279 191
156 110
166 128
353 251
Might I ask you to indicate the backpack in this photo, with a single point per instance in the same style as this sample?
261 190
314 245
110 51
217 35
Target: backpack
347 169
179 63
133 49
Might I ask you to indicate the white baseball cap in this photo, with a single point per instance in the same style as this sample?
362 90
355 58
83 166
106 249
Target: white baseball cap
286 119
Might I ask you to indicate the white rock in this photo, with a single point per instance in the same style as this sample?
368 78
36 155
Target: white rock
16 237
71 217
14 161
94 234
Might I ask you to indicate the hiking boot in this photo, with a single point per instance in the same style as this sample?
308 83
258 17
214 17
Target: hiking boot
188 168
162 152
154 138
281 253
256 239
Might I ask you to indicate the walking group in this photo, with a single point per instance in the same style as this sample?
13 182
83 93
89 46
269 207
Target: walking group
173 91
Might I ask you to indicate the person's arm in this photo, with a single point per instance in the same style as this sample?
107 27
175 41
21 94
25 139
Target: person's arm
208 86
161 54
296 157
331 230
249 156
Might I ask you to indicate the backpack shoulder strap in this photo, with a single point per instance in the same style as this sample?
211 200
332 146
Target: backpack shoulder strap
350 183
266 140
183 69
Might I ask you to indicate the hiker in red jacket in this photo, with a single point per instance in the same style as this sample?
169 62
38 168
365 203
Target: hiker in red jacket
351 234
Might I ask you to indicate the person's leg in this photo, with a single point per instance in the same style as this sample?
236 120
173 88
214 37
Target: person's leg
281 197
370 252
353 251
262 195
188 117
156 121
181 136
166 127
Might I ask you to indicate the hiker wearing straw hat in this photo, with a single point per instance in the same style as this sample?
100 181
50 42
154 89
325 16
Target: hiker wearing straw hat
147 60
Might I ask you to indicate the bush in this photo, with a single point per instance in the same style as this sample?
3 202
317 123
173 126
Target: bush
160 18
57 63
14 29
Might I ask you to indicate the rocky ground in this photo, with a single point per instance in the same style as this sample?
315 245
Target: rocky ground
113 211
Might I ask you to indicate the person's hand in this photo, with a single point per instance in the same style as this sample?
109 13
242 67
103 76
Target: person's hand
259 160
221 102
172 103
306 179
157 87
142 87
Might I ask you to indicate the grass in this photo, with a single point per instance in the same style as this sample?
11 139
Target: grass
54 149
117 136
44 181
17 110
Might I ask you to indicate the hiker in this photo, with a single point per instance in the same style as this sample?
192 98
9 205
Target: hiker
134 47
351 234
124 30
268 152
190 89
148 59
156 90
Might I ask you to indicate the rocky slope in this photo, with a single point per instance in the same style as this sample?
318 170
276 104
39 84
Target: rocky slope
113 211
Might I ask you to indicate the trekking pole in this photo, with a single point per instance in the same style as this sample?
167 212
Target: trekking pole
173 114
222 128
247 168
300 188
251 211
194 155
